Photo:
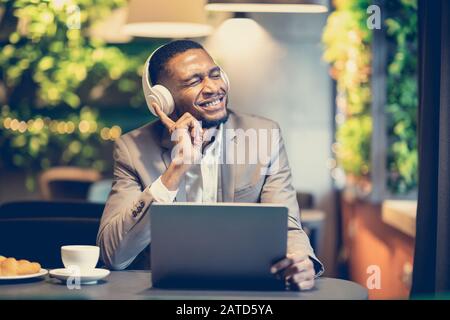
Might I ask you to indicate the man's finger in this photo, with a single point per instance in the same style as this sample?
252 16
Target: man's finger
306 285
184 116
286 262
187 121
196 136
281 265
193 126
302 266
164 118
302 276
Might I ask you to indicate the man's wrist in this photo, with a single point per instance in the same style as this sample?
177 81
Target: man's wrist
172 176
160 193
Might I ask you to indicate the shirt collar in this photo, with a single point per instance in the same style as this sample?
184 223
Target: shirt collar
214 146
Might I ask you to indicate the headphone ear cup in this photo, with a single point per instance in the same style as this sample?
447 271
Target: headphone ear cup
156 94
164 98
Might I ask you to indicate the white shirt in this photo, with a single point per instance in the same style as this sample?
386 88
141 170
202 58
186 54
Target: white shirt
201 179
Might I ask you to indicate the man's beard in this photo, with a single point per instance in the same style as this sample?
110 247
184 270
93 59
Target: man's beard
206 124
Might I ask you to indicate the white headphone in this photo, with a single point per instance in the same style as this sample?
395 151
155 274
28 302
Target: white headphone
161 95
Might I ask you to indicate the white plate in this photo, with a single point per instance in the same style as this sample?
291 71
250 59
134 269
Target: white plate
85 278
41 273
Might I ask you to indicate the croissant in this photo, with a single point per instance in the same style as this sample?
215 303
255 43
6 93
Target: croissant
9 267
12 267
27 267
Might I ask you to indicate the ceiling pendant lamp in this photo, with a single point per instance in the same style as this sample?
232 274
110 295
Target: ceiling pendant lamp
272 6
167 19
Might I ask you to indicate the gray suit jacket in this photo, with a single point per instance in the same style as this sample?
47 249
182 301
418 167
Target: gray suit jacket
142 155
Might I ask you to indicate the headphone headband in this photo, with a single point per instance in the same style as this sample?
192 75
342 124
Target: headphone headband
147 64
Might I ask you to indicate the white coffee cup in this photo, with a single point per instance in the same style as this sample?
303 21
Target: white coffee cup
83 257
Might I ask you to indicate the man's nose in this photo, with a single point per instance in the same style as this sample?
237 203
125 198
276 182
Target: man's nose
212 86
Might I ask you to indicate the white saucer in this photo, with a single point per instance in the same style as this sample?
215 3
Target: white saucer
41 273
90 277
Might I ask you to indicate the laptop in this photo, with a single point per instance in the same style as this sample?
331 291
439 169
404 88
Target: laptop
223 246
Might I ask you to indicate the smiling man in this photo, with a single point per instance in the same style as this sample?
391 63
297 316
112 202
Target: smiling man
150 164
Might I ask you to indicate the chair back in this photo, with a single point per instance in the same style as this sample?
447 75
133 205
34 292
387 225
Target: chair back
36 230
66 183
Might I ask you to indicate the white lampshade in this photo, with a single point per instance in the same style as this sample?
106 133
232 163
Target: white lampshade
167 19
299 6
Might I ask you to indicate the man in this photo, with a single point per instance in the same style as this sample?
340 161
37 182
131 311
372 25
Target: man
150 165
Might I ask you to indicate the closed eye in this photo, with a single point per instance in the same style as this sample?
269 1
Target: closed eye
215 73
194 83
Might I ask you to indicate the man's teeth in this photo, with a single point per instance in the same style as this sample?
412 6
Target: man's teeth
213 103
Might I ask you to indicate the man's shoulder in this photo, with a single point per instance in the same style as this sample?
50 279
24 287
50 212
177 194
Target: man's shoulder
247 121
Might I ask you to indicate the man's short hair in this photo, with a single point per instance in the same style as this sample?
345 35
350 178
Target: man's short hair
160 58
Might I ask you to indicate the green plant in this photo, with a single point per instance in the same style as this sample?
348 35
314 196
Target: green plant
402 101
347 49
53 74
